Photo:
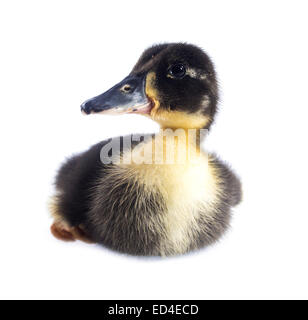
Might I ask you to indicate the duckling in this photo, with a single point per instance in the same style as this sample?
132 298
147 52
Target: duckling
151 208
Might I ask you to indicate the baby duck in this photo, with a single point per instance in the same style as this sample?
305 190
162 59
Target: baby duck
146 205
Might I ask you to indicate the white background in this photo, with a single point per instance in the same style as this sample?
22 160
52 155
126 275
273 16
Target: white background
55 54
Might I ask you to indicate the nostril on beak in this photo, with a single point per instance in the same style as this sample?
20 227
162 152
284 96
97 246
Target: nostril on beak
127 88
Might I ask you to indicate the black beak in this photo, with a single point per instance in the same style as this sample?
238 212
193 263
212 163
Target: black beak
128 96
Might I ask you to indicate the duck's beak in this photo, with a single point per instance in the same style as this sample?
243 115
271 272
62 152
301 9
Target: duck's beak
128 96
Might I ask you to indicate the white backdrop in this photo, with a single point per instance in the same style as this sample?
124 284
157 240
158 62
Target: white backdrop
55 54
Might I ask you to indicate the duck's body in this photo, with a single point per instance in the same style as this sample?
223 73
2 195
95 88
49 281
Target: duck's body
147 205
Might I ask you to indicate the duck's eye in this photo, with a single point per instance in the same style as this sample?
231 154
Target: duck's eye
177 71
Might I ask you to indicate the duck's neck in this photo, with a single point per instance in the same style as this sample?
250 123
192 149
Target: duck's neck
192 135
179 119
183 143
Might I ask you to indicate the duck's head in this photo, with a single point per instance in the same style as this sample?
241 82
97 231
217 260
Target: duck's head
174 84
